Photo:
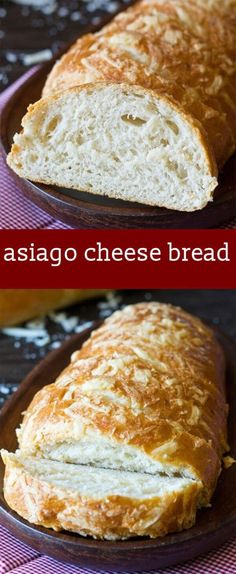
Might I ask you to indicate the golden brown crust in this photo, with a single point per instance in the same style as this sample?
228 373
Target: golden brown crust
17 305
183 49
163 372
112 517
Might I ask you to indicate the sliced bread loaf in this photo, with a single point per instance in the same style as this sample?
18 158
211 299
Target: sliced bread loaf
129 439
147 112
144 394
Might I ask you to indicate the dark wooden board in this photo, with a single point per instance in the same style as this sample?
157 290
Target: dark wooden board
213 527
84 210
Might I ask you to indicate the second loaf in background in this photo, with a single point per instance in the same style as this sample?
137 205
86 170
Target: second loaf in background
143 110
18 305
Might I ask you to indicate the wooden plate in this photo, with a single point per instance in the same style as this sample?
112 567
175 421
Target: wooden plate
84 210
214 525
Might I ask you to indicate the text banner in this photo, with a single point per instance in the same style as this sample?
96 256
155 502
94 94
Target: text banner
112 259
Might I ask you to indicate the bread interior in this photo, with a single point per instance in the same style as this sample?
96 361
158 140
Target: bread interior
119 141
104 453
98 482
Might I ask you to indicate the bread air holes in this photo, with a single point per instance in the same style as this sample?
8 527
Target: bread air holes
79 140
178 169
182 172
115 158
173 127
52 124
33 157
141 96
129 119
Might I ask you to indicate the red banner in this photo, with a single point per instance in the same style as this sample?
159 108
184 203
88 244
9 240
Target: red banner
118 259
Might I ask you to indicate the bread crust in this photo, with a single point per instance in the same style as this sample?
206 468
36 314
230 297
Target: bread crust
182 49
114 517
164 375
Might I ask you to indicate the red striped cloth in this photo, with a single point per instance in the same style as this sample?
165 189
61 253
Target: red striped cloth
17 212
18 558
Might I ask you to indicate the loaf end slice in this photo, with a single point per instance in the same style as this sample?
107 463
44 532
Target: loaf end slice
98 502
120 141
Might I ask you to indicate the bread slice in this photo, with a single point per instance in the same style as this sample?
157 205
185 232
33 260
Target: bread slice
98 502
119 141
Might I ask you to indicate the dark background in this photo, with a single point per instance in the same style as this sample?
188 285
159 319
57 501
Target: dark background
18 356
26 29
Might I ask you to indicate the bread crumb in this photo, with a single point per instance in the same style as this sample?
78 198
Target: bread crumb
228 461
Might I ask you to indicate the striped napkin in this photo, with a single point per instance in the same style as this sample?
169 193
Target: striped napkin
17 212
18 558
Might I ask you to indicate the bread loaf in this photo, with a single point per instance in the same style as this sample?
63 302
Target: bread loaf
144 396
143 110
17 305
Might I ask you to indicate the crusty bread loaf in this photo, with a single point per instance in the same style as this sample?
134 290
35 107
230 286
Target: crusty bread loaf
144 393
147 111
98 502
17 305
144 396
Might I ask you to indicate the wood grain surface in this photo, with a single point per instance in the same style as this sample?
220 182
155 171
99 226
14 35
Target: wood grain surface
214 525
